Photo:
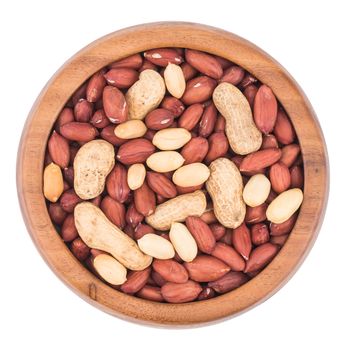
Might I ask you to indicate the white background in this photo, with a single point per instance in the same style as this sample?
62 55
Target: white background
309 38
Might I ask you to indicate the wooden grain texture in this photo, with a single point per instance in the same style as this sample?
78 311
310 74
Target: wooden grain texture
124 43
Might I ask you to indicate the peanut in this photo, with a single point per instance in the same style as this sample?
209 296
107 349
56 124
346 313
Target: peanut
165 161
110 269
225 187
256 190
191 175
183 242
171 138
174 80
130 129
145 95
177 210
99 233
53 182
93 162
242 134
156 246
284 205
136 176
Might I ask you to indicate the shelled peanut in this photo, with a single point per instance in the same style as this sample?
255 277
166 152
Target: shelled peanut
173 175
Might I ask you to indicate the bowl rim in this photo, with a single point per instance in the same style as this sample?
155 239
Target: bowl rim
118 45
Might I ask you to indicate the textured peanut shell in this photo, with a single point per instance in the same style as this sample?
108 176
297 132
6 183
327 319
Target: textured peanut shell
99 233
93 162
225 187
241 131
177 210
145 95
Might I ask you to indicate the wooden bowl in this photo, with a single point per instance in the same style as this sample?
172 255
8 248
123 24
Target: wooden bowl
119 45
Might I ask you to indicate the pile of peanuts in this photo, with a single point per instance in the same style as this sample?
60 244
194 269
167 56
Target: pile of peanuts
173 175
